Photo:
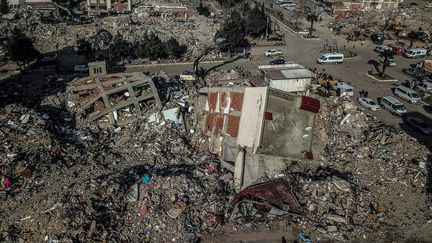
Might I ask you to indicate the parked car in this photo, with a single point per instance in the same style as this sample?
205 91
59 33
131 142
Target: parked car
273 52
425 86
369 103
423 37
381 48
414 72
393 105
377 38
80 68
303 32
391 60
419 125
277 61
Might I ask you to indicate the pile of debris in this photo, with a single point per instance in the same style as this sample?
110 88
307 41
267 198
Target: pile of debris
197 32
381 21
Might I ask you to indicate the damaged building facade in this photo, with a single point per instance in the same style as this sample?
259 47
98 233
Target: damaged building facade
105 7
254 129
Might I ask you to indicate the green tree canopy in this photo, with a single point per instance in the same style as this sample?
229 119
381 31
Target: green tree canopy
4 6
233 31
120 48
84 48
174 49
21 49
256 22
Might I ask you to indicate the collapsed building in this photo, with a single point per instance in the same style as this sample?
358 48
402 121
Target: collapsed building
253 130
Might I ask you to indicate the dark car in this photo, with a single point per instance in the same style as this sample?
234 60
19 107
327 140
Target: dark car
423 37
277 61
414 72
419 125
377 38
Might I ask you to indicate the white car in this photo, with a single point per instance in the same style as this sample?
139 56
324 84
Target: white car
303 32
273 52
369 103
425 86
418 124
382 48
80 68
391 60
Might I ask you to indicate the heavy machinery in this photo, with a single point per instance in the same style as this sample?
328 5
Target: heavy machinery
70 14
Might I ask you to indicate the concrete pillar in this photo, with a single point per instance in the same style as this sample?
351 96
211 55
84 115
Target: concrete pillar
239 169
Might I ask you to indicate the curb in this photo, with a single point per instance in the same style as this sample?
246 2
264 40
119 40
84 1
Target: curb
168 64
381 81
351 58
284 25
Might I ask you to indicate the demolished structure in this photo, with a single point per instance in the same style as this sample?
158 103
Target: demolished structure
254 129
115 96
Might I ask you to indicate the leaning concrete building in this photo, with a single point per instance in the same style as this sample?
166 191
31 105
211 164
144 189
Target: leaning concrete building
254 130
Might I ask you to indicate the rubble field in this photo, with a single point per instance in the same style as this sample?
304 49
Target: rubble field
197 32
383 21
64 181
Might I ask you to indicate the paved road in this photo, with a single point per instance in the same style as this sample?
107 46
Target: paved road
306 52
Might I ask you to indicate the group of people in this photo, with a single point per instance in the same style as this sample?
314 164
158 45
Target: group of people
363 93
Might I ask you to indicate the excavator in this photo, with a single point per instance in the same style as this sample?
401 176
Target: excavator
71 15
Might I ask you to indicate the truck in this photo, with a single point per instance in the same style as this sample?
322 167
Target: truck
426 67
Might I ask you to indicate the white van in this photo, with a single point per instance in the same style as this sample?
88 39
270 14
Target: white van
345 89
393 105
425 86
407 94
333 57
415 53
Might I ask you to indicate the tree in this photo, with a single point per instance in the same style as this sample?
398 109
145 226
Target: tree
120 48
312 18
21 49
84 48
174 49
256 22
386 54
156 48
203 10
4 6
412 35
233 31
229 3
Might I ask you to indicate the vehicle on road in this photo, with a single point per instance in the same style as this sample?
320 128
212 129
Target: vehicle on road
414 72
369 103
273 52
424 37
377 38
425 86
415 53
407 94
277 61
391 60
289 6
393 105
397 49
80 68
333 57
419 125
344 89
428 5
382 48
303 32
